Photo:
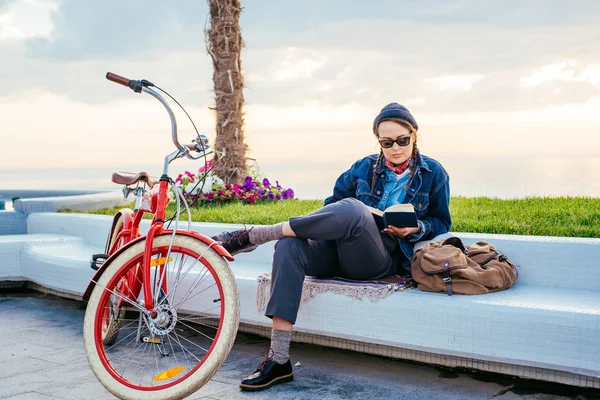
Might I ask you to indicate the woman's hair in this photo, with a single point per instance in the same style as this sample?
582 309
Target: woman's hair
415 151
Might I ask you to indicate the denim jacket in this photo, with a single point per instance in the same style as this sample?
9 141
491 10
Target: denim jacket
428 192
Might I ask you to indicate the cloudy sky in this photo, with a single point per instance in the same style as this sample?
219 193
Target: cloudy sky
510 78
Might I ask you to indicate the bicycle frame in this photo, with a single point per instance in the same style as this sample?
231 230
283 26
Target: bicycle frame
130 234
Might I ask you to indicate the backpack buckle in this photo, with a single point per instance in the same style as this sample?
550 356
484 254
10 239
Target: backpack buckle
446 279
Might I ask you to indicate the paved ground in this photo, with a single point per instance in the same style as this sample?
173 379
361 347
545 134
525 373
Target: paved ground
42 357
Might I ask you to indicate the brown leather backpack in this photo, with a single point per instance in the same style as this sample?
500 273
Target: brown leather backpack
449 266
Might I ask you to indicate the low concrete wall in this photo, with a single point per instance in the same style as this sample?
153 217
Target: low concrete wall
14 222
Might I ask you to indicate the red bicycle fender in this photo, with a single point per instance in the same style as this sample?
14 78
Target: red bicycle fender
218 248
127 218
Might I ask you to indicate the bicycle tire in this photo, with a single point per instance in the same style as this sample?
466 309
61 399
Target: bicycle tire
105 360
116 228
111 331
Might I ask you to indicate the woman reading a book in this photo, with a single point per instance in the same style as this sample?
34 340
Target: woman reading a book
343 239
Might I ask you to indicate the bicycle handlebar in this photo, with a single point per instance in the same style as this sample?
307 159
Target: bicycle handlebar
117 79
143 85
136 86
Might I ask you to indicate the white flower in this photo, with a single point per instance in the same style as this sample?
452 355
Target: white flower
208 184
189 188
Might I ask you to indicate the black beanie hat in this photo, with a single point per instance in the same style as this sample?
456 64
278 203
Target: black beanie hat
394 111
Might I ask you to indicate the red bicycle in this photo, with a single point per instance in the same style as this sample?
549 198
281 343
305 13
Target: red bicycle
163 308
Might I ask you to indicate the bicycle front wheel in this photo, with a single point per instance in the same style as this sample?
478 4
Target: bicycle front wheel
176 348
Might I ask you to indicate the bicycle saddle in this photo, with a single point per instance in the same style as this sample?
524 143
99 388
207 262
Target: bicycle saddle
129 178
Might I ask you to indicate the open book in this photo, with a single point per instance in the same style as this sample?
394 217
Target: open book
398 215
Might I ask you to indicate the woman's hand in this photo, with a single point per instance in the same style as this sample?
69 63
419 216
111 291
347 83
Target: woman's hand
401 232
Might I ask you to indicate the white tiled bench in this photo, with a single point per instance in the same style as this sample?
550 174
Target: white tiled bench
546 327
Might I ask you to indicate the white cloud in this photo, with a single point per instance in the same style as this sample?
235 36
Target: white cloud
563 71
298 64
27 19
590 74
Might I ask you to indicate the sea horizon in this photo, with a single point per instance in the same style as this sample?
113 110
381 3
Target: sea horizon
470 176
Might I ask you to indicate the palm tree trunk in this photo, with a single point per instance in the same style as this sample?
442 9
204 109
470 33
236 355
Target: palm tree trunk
224 44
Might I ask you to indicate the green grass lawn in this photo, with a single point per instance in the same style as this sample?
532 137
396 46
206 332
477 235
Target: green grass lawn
542 216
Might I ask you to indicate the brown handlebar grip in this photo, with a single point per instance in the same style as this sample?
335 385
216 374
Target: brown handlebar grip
117 78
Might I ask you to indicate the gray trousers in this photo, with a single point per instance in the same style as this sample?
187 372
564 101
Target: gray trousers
338 240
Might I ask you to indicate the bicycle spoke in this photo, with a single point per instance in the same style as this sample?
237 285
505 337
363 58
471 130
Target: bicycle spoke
188 270
177 275
156 370
205 274
173 288
125 359
185 348
197 345
195 330
136 305
195 321
113 345
187 298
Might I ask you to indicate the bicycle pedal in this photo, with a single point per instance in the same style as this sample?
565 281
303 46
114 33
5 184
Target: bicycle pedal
97 261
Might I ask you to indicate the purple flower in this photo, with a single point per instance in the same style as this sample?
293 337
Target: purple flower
278 187
278 197
288 194
266 183
249 183
271 195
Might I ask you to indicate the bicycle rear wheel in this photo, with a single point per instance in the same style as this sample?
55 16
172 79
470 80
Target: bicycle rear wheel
170 353
113 317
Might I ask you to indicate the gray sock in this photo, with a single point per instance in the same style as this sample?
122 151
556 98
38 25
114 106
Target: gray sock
280 344
264 234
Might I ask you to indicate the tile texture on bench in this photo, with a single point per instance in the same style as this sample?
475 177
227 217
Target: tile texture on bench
549 261
470 325
12 223
62 263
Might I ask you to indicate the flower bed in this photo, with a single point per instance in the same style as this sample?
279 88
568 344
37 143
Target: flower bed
204 187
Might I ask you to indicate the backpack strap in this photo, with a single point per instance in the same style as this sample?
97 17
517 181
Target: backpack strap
447 278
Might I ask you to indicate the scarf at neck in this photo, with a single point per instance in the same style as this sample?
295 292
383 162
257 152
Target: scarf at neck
398 169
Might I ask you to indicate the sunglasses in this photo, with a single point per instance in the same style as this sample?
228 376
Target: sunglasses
401 141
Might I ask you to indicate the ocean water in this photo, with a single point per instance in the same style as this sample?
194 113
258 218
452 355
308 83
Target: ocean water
503 177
